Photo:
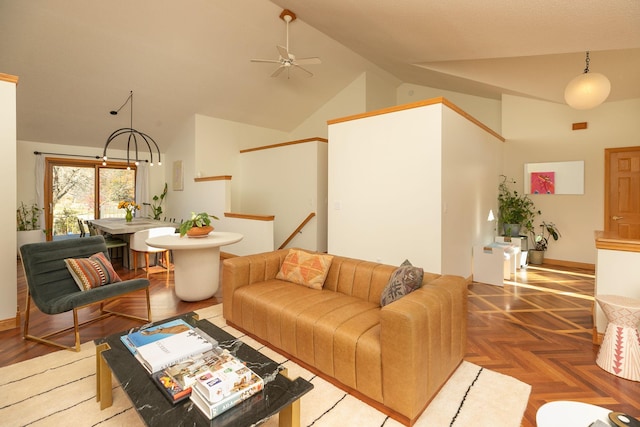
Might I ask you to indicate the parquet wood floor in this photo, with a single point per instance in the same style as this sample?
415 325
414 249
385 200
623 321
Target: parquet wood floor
537 328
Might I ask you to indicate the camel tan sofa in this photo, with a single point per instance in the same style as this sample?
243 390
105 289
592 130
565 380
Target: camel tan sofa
398 355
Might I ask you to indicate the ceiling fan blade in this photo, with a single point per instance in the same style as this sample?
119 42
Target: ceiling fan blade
308 61
284 53
271 61
278 70
309 73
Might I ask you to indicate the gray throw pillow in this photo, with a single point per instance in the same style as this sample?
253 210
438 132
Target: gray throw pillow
403 281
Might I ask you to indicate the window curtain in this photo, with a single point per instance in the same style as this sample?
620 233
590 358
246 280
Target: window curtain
40 187
142 188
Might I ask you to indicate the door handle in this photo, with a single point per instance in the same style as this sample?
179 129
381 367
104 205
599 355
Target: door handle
615 218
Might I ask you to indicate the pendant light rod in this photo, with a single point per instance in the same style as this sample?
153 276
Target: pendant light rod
132 139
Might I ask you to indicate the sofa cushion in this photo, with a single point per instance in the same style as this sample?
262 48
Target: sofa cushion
304 268
403 281
89 273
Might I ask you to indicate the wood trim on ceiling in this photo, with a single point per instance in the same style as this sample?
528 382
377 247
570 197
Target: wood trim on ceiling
9 78
423 103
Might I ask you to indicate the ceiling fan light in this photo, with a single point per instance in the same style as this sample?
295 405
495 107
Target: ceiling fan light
588 90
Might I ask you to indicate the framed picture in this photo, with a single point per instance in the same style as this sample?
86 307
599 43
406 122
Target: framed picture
178 178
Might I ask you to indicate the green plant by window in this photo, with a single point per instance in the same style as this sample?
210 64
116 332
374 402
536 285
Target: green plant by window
197 220
514 208
27 217
156 206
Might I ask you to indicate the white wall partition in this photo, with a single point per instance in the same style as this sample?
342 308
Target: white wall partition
288 181
416 182
8 282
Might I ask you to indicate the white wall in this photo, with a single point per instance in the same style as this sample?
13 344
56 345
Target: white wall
217 150
539 131
471 157
351 100
290 183
385 188
8 282
417 183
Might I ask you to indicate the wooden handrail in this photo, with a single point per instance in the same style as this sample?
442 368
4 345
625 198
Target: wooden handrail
297 230
250 216
283 144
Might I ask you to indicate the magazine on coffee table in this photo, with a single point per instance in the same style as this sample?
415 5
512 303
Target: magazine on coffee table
160 354
143 336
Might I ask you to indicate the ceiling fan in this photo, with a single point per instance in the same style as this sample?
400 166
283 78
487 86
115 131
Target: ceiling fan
287 59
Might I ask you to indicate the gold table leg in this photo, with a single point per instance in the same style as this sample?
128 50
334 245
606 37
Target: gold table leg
289 416
103 378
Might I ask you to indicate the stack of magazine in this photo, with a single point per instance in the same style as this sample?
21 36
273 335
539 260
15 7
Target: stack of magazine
225 383
184 361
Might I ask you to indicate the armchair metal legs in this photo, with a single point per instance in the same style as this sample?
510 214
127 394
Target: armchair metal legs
44 339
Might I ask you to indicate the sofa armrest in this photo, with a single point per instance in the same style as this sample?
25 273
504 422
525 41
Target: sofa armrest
245 270
422 341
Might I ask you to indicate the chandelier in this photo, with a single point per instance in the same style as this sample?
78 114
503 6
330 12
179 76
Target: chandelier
135 139
588 90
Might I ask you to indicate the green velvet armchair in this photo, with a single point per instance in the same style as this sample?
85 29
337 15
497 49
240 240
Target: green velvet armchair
53 290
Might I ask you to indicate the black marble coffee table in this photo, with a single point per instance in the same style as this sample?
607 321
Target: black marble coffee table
280 395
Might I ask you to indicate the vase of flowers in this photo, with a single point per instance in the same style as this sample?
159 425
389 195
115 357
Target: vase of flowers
129 209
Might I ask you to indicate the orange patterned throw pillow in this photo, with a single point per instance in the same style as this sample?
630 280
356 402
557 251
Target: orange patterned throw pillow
92 272
303 268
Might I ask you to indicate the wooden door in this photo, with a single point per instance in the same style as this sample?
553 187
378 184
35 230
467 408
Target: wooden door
622 191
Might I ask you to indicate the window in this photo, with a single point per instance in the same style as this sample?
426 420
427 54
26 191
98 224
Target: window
83 189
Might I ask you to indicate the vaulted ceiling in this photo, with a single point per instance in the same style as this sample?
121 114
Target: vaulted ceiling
77 60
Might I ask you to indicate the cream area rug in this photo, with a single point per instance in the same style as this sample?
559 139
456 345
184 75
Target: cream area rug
60 389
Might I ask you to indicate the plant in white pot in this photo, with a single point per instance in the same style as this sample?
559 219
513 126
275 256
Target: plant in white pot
548 230
28 224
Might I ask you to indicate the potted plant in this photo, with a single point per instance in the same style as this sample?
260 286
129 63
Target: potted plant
514 210
541 241
28 224
199 225
156 206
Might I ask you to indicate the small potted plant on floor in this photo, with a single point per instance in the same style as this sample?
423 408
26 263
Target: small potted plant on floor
541 241
199 225
515 211
28 224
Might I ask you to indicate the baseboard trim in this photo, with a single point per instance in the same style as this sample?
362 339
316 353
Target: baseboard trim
11 323
572 264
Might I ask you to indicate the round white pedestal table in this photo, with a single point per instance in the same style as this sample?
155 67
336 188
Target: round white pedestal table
565 413
196 262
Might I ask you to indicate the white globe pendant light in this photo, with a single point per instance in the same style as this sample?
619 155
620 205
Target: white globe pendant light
588 90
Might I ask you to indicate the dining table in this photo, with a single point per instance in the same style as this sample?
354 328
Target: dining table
122 229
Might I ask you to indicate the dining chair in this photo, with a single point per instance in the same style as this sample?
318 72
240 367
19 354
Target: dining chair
83 231
113 243
138 245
